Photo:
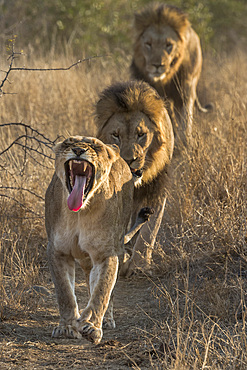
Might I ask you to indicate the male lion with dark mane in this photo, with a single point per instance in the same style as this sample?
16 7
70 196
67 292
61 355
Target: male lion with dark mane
167 54
133 116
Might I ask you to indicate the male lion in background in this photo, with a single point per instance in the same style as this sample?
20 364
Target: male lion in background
133 116
88 205
167 54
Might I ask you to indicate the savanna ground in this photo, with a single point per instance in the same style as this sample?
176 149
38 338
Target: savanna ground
191 313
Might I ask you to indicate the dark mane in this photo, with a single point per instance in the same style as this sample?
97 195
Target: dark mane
161 14
129 97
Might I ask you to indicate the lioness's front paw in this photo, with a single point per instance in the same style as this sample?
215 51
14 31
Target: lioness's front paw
90 332
66 331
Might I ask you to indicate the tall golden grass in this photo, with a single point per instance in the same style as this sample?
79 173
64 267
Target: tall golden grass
201 252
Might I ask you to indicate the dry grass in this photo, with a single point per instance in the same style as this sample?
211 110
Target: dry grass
201 255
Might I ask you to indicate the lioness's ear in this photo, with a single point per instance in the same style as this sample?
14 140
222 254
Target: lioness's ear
113 151
57 147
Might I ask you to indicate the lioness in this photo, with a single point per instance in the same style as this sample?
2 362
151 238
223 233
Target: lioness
133 116
88 205
167 54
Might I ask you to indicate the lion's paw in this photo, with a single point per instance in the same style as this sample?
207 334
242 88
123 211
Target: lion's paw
130 269
66 331
145 213
109 323
90 332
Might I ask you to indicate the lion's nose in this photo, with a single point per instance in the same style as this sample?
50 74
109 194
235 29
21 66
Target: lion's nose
157 65
78 151
129 161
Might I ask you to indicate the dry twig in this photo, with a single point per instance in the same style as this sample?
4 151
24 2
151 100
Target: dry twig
34 145
15 55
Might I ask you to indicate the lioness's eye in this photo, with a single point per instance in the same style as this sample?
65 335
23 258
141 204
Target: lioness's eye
140 134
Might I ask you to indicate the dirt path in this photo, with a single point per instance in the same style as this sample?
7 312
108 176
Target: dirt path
26 341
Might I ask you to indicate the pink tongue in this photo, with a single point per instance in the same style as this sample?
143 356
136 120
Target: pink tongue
75 198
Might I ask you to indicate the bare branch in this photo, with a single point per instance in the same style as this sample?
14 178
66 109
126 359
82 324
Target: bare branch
10 146
32 130
59 68
11 57
22 189
27 209
15 55
33 143
25 147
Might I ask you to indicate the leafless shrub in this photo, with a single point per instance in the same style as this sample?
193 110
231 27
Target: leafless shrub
201 255
14 55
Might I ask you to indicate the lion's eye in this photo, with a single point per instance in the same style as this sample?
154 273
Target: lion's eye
141 134
115 135
169 46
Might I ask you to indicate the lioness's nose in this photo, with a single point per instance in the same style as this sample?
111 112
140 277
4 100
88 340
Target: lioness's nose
78 151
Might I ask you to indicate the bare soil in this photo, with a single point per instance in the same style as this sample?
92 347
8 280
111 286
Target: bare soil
26 341
192 317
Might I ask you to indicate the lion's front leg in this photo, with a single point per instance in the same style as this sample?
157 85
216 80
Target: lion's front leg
187 120
142 251
188 110
62 268
102 280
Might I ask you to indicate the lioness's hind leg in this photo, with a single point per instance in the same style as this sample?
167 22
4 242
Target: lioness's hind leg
86 264
108 321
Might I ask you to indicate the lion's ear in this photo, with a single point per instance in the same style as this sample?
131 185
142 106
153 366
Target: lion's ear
113 151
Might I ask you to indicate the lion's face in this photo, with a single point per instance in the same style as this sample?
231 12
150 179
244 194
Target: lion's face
82 164
159 47
133 132
133 116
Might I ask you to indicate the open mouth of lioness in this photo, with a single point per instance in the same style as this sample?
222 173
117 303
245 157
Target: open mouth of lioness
79 181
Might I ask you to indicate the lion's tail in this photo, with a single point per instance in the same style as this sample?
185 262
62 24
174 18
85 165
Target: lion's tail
208 107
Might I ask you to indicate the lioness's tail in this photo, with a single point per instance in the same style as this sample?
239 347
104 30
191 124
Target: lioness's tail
208 107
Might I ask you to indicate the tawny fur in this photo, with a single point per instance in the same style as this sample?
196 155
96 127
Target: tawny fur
93 236
178 64
133 116
161 14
